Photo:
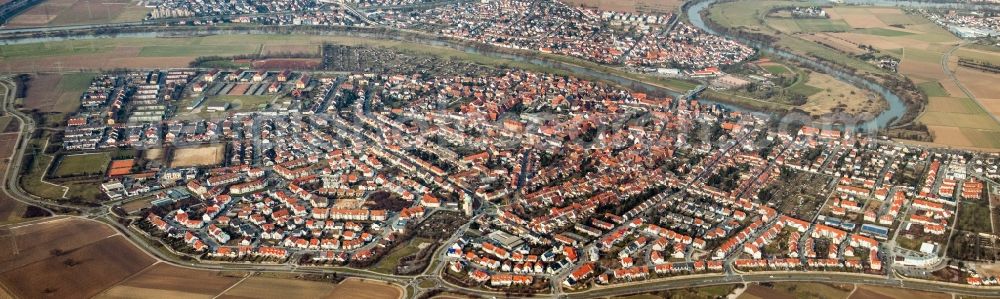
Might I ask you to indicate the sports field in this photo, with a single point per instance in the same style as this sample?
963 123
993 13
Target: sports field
198 156
82 164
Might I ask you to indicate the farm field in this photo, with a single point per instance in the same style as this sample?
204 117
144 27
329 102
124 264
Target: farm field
983 86
790 290
949 112
125 53
365 289
59 93
81 164
259 287
873 292
83 272
953 118
66 257
75 12
196 156
74 258
167 281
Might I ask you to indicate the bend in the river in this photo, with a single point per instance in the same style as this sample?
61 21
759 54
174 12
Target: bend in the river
896 107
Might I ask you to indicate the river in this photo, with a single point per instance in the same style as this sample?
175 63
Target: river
896 107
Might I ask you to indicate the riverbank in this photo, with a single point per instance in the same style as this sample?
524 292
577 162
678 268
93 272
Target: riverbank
900 109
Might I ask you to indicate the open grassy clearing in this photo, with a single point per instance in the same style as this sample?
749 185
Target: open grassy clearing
776 69
388 263
82 164
31 182
57 92
953 105
974 216
199 50
821 25
933 89
825 94
242 102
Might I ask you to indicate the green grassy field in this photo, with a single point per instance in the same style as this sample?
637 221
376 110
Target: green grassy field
196 50
800 86
811 290
954 105
983 138
62 48
814 49
961 120
882 32
822 25
31 182
83 164
4 121
776 69
900 19
991 57
241 102
933 89
70 87
921 55
974 216
388 263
